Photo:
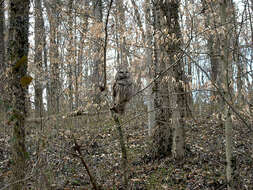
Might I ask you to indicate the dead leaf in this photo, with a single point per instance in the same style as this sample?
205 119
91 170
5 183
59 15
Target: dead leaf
26 80
21 61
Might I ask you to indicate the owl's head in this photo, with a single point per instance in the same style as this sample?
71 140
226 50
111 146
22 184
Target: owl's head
122 73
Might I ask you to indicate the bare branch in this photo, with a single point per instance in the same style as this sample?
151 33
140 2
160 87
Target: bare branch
105 44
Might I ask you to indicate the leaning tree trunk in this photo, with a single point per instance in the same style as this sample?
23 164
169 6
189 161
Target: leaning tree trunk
18 52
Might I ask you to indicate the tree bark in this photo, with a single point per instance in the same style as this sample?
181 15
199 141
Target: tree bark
225 10
121 29
39 34
45 59
213 47
170 10
2 56
18 52
70 55
148 59
97 68
80 57
161 136
2 53
240 82
52 10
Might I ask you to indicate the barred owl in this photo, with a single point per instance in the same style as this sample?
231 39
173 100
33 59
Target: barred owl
122 90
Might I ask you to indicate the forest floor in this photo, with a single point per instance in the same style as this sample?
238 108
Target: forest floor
52 164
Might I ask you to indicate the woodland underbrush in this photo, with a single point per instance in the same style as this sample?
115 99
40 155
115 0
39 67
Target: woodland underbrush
54 164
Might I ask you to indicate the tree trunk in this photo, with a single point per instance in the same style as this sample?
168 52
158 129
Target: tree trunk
240 82
213 47
2 53
79 69
122 30
97 68
45 58
53 93
39 34
148 60
188 62
18 52
2 56
70 55
76 65
170 10
161 137
225 11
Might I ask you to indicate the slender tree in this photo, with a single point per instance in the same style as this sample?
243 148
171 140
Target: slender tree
97 68
45 64
70 56
121 27
80 56
213 47
240 82
52 9
148 59
2 51
226 9
39 34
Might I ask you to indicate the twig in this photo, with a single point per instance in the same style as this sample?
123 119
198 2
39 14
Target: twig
77 148
105 45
